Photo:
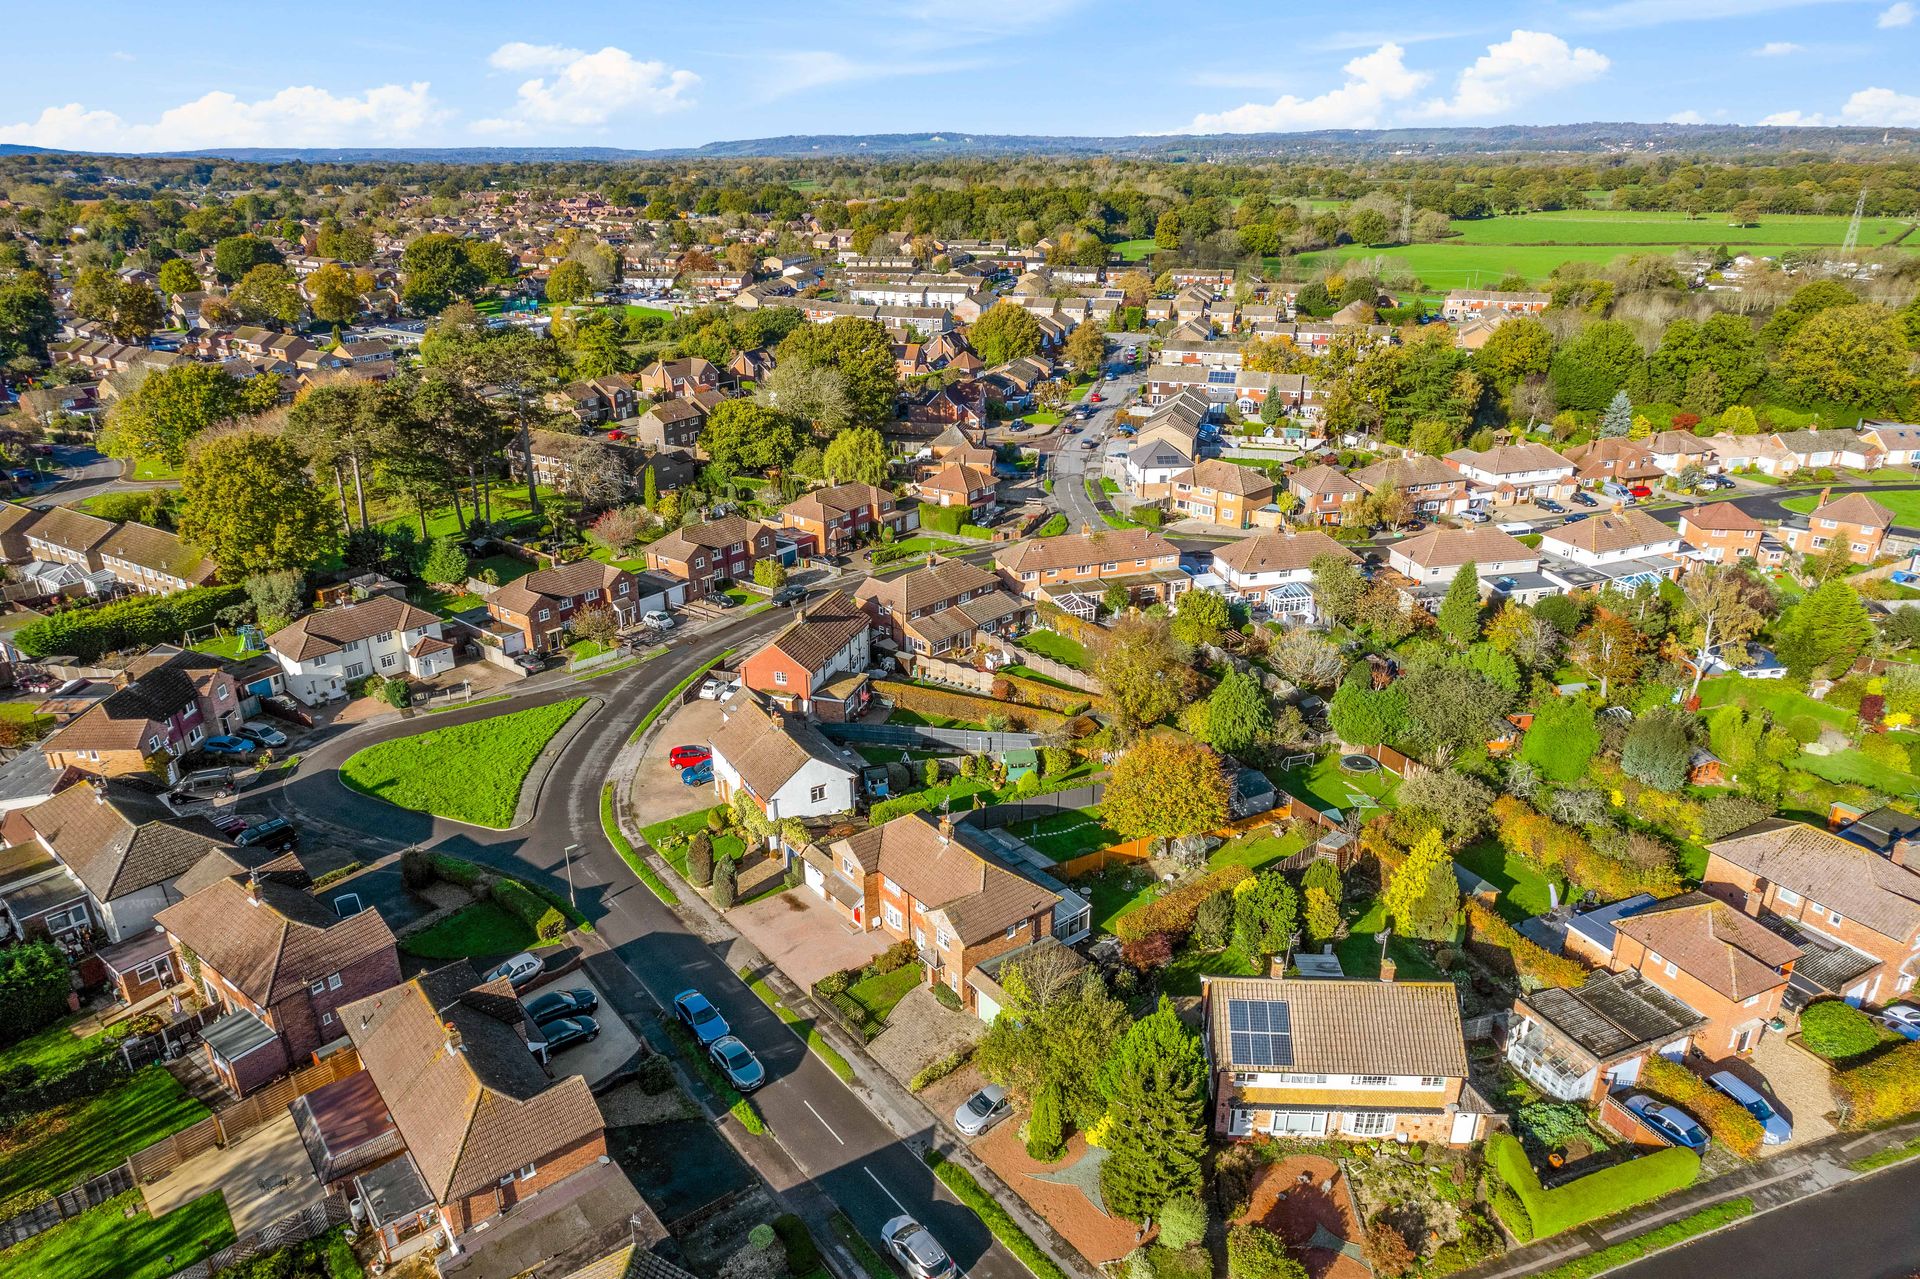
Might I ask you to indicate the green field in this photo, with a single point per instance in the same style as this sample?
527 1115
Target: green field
1133 250
471 772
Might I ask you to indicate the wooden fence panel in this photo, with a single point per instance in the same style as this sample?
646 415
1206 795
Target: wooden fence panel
266 1105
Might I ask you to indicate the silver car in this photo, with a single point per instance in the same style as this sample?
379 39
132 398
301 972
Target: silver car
982 1110
916 1249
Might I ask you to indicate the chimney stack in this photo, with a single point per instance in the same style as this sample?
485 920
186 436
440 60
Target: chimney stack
253 888
1901 850
454 1044
1387 968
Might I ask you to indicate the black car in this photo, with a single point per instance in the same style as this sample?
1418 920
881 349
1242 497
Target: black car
720 599
565 1032
788 596
561 1003
1581 499
276 833
1548 504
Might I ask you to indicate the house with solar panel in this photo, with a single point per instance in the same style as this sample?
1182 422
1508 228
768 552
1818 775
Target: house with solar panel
1366 1060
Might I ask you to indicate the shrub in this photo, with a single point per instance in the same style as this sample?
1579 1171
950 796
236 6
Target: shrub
1726 1119
1213 922
1596 1195
1882 1090
1151 952
835 983
895 957
723 884
1475 1240
397 693
1257 1253
1836 1030
1173 912
700 860
966 707
1511 1212
416 868
803 1255
1555 849
1533 964
1183 1222
1725 814
458 870
717 818
934 1072
1044 1137
1030 692
547 922
86 633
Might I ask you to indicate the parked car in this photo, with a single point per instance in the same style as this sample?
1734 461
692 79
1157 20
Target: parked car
231 823
714 689
1095 398
658 619
737 1062
982 1110
917 1250
1639 492
1475 517
697 774
561 1003
722 600
532 663
206 783
1902 1020
1583 499
688 756
699 1015
1575 518
1674 1124
1548 504
1773 1124
788 596
266 734
520 970
565 1032
228 746
275 833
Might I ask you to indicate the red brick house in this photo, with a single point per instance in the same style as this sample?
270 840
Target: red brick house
543 605
958 485
941 606
1721 533
171 702
844 515
282 964
679 378
1324 494
725 549
1727 967
1856 521
817 666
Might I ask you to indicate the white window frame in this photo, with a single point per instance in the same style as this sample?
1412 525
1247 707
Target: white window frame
1368 1123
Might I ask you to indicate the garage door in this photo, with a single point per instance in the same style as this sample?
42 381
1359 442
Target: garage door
987 1008
815 879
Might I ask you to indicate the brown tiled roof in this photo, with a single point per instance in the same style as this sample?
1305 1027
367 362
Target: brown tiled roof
272 941
122 720
714 535
1678 442
1442 546
1721 515
1511 459
767 748
1611 531
1075 550
958 479
159 550
74 530
1406 473
1324 480
1713 942
672 412
118 838
980 895
1280 552
524 594
451 1061
927 586
1838 873
1353 1027
1227 477
1855 508
331 629
826 629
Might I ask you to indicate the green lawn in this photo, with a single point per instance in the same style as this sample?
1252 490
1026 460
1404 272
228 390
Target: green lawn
922 544
1323 784
64 1146
1059 647
1067 834
918 719
669 839
106 1241
1523 890
643 311
56 1050
480 931
1043 417
22 713
445 601
470 773
1023 671
1904 503
1182 976
1115 891
583 649
1772 695
1854 766
153 469
879 994
1134 250
510 507
1257 852
232 647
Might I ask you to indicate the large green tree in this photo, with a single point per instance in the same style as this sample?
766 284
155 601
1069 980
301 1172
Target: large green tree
1266 914
1087 346
1598 362
1854 355
167 409
1562 739
267 292
1460 610
1057 1027
1006 332
860 351
27 321
742 435
437 271
247 502
1146 672
236 255
1422 896
1239 714
1155 1086
856 456
1825 632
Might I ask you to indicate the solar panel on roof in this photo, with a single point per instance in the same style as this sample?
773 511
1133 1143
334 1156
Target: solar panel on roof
1260 1032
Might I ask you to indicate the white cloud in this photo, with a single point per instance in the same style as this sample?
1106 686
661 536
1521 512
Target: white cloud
1778 49
796 71
1373 82
586 88
1524 66
1686 117
1867 108
121 55
299 116
1896 15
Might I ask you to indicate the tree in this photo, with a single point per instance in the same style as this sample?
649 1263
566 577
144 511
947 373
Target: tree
856 456
437 271
725 884
267 292
277 597
770 573
1164 786
1166 231
1183 1223
1254 1252
597 624
1562 739
248 503
1460 610
177 277
1321 915
167 409
814 394
1115 599
1145 671
1519 348
1855 355
1659 747
1155 1086
1608 648
859 351
568 282
1369 226
1455 802
335 294
700 860
34 985
1617 421
236 255
1337 584
1060 1024
1726 604
1239 716
1307 659
744 435
1044 1136
27 321
1266 913
446 563
1086 346
1824 632
1006 332
1422 897
1598 362
1199 617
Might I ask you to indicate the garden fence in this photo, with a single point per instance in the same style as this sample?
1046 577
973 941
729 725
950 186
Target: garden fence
1036 807
915 736
1055 670
296 1227
71 1203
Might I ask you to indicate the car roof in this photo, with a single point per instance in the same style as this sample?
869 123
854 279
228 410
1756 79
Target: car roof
993 1092
1727 1081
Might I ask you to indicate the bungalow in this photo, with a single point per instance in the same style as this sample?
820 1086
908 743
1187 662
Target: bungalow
1722 533
703 555
1140 561
1432 558
1898 443
817 666
1674 451
1579 1044
1336 1058
845 515
1516 472
1822 449
781 762
1626 549
544 605
1855 521
325 651
1221 492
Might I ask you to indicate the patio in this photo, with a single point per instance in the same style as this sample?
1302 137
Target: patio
265 1175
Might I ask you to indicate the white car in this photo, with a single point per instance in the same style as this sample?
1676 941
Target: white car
1902 1019
266 734
519 970
917 1250
658 619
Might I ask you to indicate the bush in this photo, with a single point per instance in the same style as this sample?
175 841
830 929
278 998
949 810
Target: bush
458 870
416 869
1044 1137
1596 1195
1882 1090
934 1072
1837 1031
1183 1222
34 985
1511 1212
1031 692
397 693
1535 965
724 886
1152 952
1387 1249
803 1255
1725 814
548 922
1555 849
894 958
1726 1120
700 860
835 983
1257 1253
1173 912
86 633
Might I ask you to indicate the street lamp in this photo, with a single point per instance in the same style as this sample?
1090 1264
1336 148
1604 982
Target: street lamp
572 897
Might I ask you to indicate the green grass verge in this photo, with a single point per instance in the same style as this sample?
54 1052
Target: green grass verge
739 1107
863 1252
63 1146
1674 1232
470 772
1887 1158
1004 1227
106 1241
624 846
669 839
802 1026
608 669
673 695
479 931
461 706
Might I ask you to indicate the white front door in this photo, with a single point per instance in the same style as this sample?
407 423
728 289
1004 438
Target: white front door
1240 1122
1464 1125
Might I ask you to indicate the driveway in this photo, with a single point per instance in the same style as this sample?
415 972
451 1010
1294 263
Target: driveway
803 936
658 793
265 1175
1797 1084
615 1046
922 1030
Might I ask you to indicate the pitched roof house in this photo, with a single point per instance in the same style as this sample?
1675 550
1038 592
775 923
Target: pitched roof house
1579 1044
543 604
817 665
1726 966
1721 533
941 605
1138 559
703 554
782 763
1855 521
173 700
1221 492
323 652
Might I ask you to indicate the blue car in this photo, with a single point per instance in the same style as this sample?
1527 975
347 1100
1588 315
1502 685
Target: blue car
742 1069
700 1016
1774 1125
1670 1122
697 774
227 746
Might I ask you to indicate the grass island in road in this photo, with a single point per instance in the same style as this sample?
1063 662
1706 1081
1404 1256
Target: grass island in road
471 772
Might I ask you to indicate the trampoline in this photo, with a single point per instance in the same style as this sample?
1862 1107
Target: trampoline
1357 765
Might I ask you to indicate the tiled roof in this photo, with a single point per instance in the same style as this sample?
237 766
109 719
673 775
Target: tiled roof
524 594
1839 874
714 535
331 629
1721 515
1713 942
927 586
767 749
75 530
980 895
1323 480
827 628
118 838
1228 477
1280 552
1512 459
123 719
1075 550
1855 508
1684 443
272 940
159 550
1406 473
1353 1027
1442 546
1611 531
958 478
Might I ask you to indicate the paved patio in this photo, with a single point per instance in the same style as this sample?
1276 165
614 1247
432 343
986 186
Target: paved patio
803 936
1796 1082
921 1030
265 1175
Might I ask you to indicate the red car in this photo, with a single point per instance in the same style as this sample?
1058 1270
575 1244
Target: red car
688 756
1095 398
1641 491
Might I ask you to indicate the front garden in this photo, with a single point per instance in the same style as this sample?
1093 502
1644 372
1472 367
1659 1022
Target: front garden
502 916
470 773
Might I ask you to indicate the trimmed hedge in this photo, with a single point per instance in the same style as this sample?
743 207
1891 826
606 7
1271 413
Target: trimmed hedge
34 985
1601 1194
1726 1120
1535 965
965 707
1031 692
1882 1090
547 922
1173 912
1548 846
87 632
1837 1030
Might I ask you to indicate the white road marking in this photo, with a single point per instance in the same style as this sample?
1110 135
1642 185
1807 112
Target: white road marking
823 1123
888 1193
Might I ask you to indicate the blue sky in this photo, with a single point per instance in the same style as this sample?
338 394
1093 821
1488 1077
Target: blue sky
650 74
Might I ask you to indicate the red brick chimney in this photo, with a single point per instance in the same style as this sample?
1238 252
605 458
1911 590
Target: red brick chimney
1387 968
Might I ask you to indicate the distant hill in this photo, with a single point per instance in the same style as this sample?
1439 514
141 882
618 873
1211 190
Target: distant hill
1593 138
14 148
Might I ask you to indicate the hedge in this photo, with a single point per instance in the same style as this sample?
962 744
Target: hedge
1548 846
1674 1232
1173 912
1600 1194
1882 1090
34 985
1726 1120
1837 1030
85 633
1535 965
943 519
965 707
547 922
1031 692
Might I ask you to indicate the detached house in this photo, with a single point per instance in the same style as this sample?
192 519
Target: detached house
701 555
1139 560
957 484
1429 484
782 763
1353 1059
1856 521
282 964
1503 563
1722 533
1324 494
1620 460
670 424
1221 492
1516 472
1675 451
1268 565
818 665
323 652
679 378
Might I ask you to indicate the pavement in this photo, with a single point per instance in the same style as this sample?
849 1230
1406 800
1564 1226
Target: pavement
265 1176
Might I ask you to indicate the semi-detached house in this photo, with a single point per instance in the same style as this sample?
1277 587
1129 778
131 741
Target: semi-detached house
942 606
1140 561
1515 472
780 762
543 605
818 665
845 515
702 555
172 701
323 652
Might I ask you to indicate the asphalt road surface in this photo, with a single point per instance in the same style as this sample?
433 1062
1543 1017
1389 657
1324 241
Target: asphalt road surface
826 1129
